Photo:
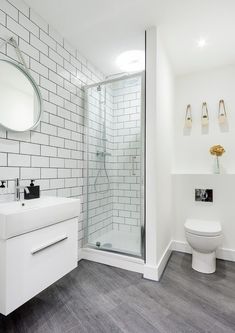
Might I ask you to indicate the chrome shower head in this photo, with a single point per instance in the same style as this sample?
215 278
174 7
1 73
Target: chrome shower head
99 88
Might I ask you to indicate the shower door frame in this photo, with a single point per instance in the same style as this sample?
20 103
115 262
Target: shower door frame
142 75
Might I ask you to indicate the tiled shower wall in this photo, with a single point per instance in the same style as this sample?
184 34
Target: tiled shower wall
99 110
118 206
53 153
127 153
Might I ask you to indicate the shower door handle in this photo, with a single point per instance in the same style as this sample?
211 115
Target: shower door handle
133 165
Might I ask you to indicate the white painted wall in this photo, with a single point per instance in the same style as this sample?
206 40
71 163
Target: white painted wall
191 150
159 108
163 138
193 164
150 270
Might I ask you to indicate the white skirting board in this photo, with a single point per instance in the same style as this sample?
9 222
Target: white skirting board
180 246
154 273
221 253
113 259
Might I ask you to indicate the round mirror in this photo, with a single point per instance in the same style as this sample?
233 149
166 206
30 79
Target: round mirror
20 98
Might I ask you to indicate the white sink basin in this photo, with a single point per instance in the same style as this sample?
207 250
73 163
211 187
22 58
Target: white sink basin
19 217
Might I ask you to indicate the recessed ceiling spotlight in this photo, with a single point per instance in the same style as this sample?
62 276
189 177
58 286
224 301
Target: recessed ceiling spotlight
201 42
131 61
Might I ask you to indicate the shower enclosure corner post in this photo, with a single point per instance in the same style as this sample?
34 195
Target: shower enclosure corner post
86 167
143 166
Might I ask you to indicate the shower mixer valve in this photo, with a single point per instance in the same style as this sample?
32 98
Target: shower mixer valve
102 153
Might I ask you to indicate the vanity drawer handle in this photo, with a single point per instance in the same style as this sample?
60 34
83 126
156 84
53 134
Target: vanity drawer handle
44 247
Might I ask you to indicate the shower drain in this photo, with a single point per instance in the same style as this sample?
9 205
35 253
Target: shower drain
107 245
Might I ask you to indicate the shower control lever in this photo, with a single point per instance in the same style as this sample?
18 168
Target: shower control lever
102 153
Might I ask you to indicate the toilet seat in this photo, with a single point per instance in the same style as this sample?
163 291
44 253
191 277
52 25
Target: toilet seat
203 227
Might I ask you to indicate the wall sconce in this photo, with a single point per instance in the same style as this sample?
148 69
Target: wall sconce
188 117
205 115
222 114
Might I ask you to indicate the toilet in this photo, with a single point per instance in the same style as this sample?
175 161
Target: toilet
204 237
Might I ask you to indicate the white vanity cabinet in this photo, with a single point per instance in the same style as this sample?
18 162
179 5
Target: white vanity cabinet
32 261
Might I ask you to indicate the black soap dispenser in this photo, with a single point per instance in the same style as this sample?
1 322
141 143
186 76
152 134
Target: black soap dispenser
33 191
3 187
3 182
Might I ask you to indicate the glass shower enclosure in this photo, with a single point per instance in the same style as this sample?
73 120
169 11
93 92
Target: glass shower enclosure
115 141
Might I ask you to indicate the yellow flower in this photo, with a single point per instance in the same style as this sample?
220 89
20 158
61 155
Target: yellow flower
217 150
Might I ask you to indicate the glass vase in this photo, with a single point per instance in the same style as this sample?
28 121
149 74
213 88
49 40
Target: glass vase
216 165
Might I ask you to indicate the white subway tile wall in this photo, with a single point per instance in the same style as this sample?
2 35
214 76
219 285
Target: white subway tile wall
116 206
100 138
53 153
126 173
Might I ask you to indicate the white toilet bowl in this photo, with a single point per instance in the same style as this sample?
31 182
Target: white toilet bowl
204 237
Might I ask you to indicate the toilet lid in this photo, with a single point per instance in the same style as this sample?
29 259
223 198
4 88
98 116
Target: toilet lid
203 227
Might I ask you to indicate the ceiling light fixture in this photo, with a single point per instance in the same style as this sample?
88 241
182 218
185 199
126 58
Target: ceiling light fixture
201 43
131 61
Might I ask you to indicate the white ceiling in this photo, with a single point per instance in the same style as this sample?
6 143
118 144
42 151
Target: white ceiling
102 29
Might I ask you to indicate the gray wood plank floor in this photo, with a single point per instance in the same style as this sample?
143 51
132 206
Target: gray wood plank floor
95 298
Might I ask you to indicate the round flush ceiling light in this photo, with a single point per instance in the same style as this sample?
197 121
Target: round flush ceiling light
201 43
131 61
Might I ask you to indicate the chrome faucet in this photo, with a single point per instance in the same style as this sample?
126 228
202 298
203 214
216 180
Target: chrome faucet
17 189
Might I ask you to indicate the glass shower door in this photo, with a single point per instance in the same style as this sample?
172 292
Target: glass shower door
115 165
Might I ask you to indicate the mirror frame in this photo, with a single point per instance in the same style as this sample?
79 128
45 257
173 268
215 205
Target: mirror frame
36 89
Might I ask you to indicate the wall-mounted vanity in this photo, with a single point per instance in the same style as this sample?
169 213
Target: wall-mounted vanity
38 245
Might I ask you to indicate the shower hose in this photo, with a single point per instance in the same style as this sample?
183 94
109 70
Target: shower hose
103 167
